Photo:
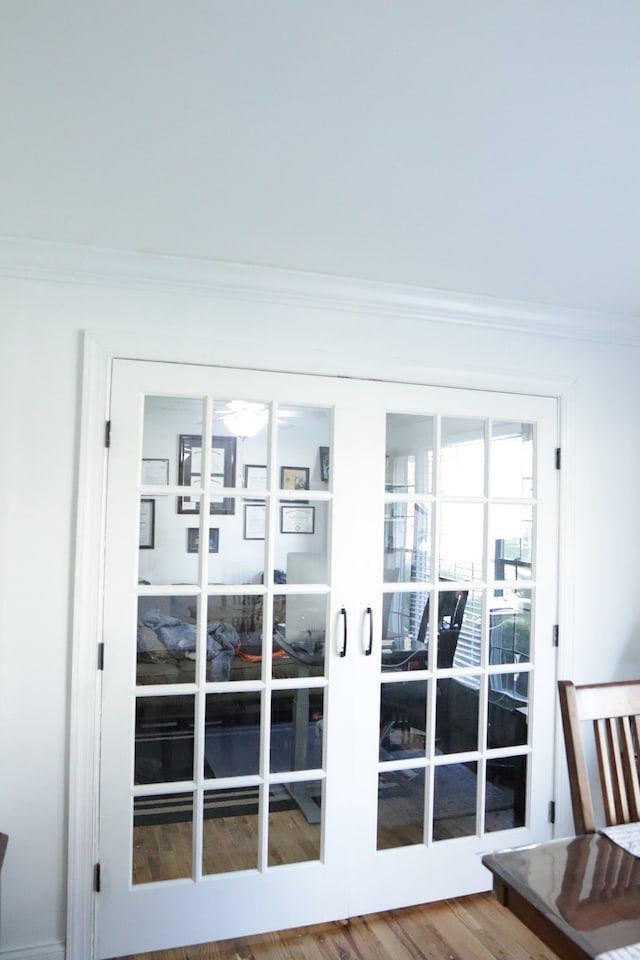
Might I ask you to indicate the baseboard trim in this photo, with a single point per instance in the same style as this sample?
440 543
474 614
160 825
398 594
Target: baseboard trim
44 951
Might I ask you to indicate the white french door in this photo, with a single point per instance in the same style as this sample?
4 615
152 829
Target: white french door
328 664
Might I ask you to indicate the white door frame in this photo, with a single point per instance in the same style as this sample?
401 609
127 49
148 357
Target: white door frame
100 348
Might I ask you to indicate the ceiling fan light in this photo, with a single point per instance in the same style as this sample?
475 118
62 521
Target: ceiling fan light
245 419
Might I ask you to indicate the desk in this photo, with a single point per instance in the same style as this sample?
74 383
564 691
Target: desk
581 895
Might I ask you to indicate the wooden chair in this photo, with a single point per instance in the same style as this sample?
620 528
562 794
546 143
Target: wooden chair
614 710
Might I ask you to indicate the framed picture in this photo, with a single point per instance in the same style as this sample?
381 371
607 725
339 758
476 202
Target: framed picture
255 515
294 478
297 519
147 538
324 464
223 471
255 476
193 539
155 471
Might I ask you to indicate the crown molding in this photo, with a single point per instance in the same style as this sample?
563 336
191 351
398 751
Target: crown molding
32 259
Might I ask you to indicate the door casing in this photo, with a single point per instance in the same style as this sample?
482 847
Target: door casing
99 351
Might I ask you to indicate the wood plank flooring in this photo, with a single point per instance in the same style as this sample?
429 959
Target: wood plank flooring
467 928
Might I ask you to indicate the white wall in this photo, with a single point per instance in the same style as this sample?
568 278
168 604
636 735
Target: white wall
40 368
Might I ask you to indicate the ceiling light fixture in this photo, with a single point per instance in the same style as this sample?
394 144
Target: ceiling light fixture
245 419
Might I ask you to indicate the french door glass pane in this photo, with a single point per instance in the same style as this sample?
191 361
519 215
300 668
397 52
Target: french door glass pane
303 449
164 739
510 626
511 459
505 798
488 626
230 830
469 644
455 794
162 837
461 541
403 719
166 419
462 464
232 734
511 539
508 721
166 639
295 824
407 542
405 630
457 714
296 729
300 627
401 795
229 508
409 454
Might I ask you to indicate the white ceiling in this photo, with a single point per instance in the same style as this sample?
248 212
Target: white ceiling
479 146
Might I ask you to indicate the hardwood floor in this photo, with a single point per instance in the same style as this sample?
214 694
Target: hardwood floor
468 928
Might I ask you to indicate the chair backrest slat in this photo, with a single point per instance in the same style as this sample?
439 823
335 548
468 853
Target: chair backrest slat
631 727
614 709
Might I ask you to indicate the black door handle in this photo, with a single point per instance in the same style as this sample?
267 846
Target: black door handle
343 649
367 652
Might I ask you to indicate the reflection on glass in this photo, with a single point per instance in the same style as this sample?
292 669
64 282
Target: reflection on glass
301 541
304 441
222 472
511 459
165 419
407 542
241 548
511 541
400 808
300 624
165 548
462 460
457 705
451 608
510 626
505 800
166 638
162 837
172 554
405 631
461 541
409 454
455 798
230 830
247 421
508 713
469 641
170 528
234 637
295 822
164 739
297 720
403 719
232 734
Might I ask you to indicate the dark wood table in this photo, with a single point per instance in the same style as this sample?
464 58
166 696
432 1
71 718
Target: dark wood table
581 895
4 839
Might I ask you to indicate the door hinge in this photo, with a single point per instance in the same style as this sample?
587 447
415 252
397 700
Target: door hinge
556 634
558 458
96 878
107 434
552 811
101 656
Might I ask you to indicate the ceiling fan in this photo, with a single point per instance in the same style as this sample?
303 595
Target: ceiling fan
244 418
